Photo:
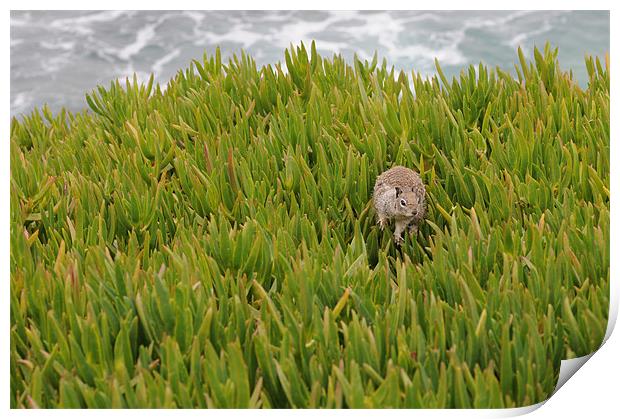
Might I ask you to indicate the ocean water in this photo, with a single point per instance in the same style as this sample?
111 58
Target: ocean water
58 56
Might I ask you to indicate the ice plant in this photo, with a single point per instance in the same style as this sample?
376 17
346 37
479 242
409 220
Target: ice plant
214 244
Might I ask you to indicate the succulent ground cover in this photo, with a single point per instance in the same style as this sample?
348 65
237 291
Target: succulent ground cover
213 243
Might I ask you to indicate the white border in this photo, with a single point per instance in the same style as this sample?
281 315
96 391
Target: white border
593 392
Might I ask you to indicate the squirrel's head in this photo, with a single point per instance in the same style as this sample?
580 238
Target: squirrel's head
409 203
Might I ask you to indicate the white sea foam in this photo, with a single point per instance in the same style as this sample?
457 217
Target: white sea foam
65 46
352 28
128 71
20 99
498 20
20 19
301 30
82 24
519 39
20 102
143 37
57 62
197 17
387 30
157 67
15 22
236 34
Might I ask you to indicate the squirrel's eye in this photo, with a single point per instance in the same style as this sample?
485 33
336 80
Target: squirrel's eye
403 203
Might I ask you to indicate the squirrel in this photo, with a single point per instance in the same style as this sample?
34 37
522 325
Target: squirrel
400 194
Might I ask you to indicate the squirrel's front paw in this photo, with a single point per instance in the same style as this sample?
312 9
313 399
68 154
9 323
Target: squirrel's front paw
398 240
382 223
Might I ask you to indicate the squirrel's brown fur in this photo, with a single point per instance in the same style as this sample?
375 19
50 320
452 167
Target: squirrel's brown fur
399 194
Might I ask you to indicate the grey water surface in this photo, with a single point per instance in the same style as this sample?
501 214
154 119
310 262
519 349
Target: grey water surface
58 56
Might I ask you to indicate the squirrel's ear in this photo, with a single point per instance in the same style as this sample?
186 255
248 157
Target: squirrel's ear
398 191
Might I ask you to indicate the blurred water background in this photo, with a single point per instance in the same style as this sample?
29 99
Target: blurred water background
58 56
